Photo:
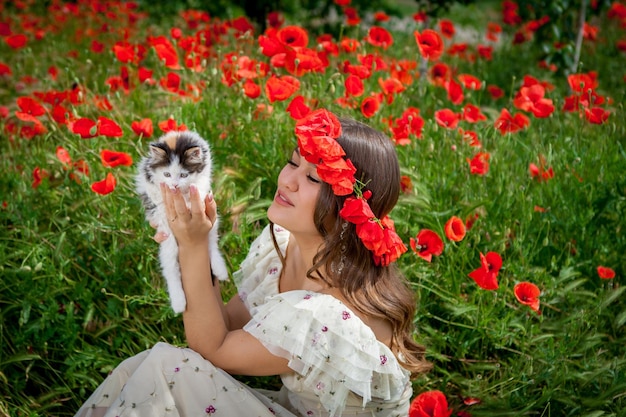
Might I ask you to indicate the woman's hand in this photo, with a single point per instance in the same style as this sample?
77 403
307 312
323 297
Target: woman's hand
190 225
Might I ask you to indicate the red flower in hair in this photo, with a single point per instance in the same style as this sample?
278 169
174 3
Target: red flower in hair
427 244
605 272
356 210
430 404
339 174
528 294
487 275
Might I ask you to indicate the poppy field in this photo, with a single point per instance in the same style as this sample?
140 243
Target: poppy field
513 186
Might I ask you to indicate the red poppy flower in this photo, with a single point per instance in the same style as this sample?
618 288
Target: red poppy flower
381 17
370 106
354 86
105 186
281 88
583 83
439 74
166 52
429 43
293 36
86 128
472 114
470 82
487 275
495 91
339 174
479 164
540 173
38 176
124 52
532 99
447 28
446 118
455 229
16 41
143 127
406 185
352 16
506 123
605 272
356 210
107 127
63 156
427 244
171 125
379 36
485 52
596 115
528 294
30 106
297 108
319 123
455 92
430 404
112 158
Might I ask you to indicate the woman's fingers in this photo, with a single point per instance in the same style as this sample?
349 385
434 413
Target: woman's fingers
197 205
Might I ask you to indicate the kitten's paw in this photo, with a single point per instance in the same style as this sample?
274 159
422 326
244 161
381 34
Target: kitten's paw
178 305
218 268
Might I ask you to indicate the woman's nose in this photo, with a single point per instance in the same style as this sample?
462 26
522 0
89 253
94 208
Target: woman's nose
289 179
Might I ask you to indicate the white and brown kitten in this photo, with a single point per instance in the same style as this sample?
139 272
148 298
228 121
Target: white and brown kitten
177 159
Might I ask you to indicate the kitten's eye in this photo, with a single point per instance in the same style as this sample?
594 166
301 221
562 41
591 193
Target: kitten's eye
167 174
184 175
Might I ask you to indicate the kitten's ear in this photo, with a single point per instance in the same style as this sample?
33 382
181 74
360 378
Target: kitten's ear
193 155
157 152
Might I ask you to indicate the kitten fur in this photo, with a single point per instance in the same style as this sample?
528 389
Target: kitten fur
178 159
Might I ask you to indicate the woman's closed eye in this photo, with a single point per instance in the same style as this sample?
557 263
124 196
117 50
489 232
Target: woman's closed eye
311 178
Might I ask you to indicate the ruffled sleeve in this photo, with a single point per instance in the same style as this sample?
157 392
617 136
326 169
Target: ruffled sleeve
259 272
332 351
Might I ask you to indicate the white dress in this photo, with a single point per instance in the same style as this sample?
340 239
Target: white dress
339 367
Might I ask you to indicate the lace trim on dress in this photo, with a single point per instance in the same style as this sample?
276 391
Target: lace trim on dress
330 348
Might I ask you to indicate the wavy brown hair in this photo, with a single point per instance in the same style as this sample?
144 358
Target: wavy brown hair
376 291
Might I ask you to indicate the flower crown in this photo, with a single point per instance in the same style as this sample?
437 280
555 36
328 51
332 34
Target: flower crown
317 133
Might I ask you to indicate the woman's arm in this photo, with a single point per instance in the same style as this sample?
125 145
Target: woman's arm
206 325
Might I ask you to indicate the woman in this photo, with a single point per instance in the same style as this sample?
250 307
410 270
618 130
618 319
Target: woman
320 303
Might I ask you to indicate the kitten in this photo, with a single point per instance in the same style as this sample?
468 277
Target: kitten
178 159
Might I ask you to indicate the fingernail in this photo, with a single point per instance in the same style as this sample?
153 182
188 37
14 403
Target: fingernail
210 196
193 189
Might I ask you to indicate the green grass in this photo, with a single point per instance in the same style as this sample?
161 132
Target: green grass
81 288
